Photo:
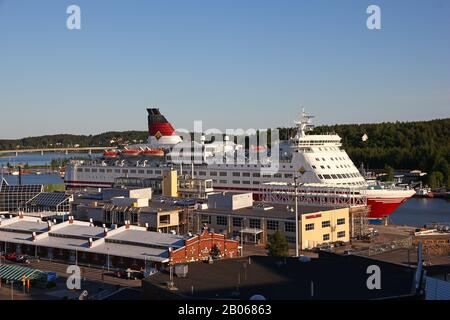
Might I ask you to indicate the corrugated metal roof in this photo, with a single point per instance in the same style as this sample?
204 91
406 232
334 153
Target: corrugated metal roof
16 273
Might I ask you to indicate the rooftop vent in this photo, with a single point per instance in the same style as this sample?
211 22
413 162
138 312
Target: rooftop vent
262 207
181 270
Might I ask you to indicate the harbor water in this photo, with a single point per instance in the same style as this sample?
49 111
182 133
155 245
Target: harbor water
420 211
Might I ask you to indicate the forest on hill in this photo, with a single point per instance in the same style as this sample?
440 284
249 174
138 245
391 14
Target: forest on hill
423 145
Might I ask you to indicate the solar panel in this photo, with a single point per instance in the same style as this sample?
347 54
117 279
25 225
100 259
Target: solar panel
27 188
49 199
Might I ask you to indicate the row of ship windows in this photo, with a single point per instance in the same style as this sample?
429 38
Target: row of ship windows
201 173
118 171
342 166
254 166
332 159
246 174
338 176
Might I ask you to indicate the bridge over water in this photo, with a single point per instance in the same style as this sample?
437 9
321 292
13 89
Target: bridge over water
62 150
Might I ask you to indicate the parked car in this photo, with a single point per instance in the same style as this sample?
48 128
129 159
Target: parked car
10 256
26 259
339 243
129 274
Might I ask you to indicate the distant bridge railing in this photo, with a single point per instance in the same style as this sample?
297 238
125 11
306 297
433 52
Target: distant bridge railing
63 150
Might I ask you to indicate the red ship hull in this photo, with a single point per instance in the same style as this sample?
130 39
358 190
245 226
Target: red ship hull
380 208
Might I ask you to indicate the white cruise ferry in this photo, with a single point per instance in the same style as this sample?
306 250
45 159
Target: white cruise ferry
312 159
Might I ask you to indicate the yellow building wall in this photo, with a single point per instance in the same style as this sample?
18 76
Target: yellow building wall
169 185
312 238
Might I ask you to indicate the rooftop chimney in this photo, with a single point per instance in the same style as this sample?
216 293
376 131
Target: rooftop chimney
20 215
90 242
34 236
91 221
70 219
127 224
105 231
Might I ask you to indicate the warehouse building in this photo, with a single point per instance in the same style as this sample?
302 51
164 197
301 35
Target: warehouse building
83 243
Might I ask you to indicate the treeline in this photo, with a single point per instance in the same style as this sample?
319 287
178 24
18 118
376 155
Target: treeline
69 140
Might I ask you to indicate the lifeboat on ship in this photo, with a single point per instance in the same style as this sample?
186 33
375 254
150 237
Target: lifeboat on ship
131 152
258 148
110 154
150 152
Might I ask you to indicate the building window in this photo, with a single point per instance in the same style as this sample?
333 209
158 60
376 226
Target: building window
236 182
309 226
237 222
213 173
340 221
290 239
223 174
164 219
236 174
245 182
246 174
341 234
133 171
149 171
326 224
326 237
222 220
255 182
141 171
256 175
288 175
272 225
124 171
289 226
202 173
206 218
255 223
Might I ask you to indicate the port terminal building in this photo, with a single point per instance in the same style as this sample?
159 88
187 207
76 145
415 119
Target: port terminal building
83 243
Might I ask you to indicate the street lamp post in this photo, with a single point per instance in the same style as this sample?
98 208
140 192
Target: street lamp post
296 185
296 216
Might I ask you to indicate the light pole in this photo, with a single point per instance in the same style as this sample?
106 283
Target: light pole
296 216
242 236
296 185
107 257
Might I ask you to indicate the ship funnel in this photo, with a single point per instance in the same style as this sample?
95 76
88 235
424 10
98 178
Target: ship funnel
158 125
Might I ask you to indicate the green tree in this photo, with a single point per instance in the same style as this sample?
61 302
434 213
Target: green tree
278 245
389 173
436 179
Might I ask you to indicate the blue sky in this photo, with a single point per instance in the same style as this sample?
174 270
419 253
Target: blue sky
232 64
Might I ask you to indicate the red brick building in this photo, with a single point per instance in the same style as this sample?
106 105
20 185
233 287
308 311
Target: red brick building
204 245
